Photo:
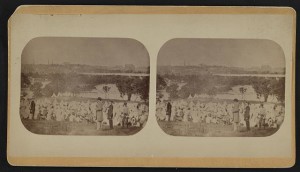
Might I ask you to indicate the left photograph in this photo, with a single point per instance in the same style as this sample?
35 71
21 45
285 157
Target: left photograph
84 86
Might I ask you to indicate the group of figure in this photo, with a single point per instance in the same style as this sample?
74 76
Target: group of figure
101 112
236 113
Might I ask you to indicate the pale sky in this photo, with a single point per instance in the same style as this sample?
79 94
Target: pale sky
225 52
90 51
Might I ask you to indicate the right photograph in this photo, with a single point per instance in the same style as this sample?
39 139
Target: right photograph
220 87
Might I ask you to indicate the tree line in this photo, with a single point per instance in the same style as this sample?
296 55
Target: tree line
76 83
212 85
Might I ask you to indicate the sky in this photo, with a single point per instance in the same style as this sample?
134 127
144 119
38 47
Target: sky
226 52
89 51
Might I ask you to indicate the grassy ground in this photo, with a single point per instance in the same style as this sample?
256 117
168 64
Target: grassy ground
211 130
171 128
72 128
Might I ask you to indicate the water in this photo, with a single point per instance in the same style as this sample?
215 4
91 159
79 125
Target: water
256 75
120 74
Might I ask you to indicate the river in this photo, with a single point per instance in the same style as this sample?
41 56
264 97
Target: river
120 74
253 75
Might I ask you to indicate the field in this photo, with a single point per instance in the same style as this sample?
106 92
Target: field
210 130
72 128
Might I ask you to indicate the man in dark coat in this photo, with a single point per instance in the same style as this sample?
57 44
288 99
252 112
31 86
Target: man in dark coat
125 115
32 108
247 116
169 111
110 115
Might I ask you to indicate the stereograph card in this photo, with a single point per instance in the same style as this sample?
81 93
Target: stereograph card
151 86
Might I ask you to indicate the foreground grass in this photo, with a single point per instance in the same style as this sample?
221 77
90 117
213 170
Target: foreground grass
72 128
211 130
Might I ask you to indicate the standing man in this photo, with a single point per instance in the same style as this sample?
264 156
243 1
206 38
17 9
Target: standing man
261 116
236 116
99 113
125 112
169 111
247 116
279 116
32 109
110 115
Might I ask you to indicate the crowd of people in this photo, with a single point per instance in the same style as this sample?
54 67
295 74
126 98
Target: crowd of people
106 112
99 112
236 113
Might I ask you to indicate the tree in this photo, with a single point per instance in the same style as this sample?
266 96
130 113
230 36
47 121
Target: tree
59 83
243 91
25 82
126 86
279 90
160 83
36 89
143 88
159 95
212 91
75 90
134 85
194 85
106 90
263 87
186 91
172 90
47 91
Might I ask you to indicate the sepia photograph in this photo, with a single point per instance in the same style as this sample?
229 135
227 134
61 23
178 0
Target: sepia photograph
84 86
151 86
220 87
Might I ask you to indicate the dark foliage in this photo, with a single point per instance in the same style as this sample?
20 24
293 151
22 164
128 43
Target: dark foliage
75 83
212 85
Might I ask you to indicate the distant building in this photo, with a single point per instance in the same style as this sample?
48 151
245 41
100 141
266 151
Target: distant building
129 67
66 63
266 68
